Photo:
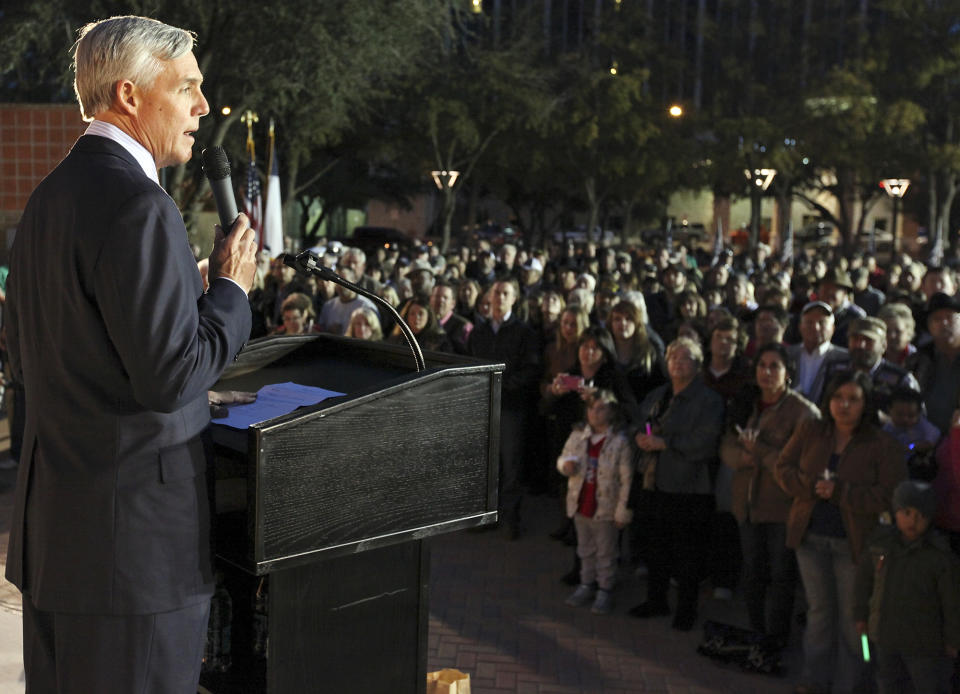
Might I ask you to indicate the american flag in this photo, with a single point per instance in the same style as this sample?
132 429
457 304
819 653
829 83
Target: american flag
253 201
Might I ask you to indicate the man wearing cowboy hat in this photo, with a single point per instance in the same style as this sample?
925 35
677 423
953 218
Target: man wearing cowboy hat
836 291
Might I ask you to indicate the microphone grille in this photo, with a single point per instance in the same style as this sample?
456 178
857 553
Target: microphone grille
215 164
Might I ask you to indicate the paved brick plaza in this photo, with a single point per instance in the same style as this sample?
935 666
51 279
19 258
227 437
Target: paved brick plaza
497 612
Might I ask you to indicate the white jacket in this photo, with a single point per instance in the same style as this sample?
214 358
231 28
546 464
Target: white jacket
614 474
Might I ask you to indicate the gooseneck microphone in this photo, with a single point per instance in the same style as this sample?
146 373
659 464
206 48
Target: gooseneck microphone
308 263
216 166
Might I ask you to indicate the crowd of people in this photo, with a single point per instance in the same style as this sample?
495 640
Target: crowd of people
758 422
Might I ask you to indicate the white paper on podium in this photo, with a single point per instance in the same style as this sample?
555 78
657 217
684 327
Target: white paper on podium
272 401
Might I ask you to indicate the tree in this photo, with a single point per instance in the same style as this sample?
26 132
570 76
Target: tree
318 68
468 98
918 76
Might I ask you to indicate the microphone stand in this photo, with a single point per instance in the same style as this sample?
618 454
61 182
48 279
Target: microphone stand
308 263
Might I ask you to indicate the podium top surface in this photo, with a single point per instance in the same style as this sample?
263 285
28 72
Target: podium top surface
402 455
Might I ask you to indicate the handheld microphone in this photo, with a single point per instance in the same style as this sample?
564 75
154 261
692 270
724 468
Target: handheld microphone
216 166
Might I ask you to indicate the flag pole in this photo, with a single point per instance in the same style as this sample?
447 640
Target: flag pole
248 119
270 144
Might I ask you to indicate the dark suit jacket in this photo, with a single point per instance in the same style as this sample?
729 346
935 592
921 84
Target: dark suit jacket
116 343
515 344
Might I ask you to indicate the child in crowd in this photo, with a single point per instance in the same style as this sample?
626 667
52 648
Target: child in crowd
907 597
911 428
597 460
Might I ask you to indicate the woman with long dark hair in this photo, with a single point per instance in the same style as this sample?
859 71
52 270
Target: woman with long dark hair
636 354
841 472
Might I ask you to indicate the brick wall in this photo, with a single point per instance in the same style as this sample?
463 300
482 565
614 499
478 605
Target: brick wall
33 140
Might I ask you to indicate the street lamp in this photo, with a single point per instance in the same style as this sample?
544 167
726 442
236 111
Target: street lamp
896 188
444 179
760 180
675 111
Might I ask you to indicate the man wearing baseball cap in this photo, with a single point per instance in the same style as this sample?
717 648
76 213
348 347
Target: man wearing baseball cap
532 276
867 342
815 352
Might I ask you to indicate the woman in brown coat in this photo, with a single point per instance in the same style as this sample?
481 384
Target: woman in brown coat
750 448
841 472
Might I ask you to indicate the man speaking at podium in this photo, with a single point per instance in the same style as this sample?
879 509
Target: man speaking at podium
116 343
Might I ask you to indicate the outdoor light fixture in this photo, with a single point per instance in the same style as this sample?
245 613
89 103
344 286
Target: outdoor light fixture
613 68
226 110
444 179
762 178
675 111
895 187
476 6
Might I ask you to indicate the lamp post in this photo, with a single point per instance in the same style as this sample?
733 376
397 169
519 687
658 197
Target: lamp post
445 181
760 180
896 188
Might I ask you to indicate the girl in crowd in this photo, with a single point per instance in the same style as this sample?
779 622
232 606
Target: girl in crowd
389 294
467 294
423 323
635 353
551 308
598 462
841 472
595 368
689 306
364 325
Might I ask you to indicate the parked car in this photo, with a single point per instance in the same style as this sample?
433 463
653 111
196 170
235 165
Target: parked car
368 239
820 233
579 236
686 234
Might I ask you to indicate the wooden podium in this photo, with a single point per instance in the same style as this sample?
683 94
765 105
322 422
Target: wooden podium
334 503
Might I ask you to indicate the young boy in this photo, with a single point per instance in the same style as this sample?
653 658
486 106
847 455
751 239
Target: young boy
907 597
597 460
914 431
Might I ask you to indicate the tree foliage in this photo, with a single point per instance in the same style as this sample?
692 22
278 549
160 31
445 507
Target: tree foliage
370 96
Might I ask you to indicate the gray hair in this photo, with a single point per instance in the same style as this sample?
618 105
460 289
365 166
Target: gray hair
355 252
896 310
693 349
122 48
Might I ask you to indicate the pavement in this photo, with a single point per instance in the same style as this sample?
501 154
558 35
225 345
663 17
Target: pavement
497 614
